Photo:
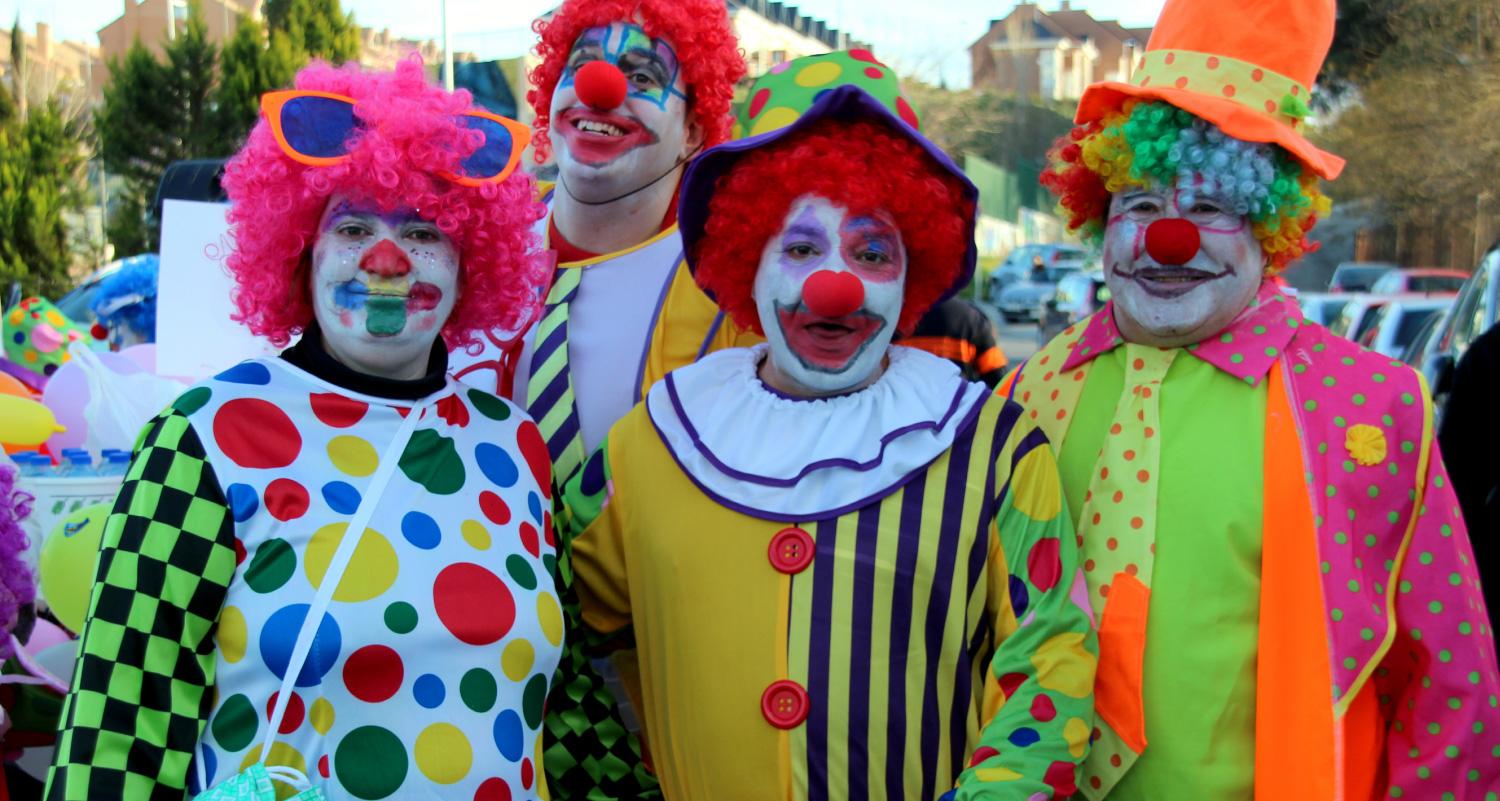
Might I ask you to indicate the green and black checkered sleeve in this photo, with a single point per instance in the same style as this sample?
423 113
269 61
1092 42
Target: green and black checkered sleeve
143 685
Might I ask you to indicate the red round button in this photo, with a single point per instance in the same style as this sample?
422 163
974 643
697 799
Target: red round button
784 704
791 550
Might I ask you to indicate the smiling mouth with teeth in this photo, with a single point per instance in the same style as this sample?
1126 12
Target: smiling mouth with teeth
596 127
1169 281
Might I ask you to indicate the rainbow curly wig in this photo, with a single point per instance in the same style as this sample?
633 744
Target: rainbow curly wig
1157 144
698 30
862 166
409 134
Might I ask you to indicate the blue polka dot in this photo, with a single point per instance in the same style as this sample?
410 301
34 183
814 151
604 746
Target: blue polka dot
534 503
210 766
243 502
19 337
1023 737
341 497
279 636
508 735
429 691
1020 597
421 530
253 373
496 464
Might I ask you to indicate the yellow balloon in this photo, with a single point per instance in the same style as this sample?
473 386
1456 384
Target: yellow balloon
68 559
25 422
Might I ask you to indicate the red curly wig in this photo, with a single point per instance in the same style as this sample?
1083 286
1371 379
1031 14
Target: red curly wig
864 167
410 133
698 30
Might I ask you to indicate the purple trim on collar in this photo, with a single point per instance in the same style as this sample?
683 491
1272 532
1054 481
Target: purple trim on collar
850 464
1245 349
779 517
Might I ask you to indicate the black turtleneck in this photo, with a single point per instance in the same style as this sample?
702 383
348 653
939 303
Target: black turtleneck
310 354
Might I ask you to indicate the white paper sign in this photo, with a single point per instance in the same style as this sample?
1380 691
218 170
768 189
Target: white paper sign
195 336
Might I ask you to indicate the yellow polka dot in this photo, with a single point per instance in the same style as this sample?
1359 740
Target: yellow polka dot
353 455
56 319
996 775
371 572
321 716
17 317
541 781
550 615
443 753
517 660
283 755
819 74
773 119
476 534
233 634
30 356
1037 493
1076 732
66 357
1064 666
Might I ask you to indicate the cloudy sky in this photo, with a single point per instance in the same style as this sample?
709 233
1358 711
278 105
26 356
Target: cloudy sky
920 37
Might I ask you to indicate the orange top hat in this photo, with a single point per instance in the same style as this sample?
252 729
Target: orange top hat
1246 66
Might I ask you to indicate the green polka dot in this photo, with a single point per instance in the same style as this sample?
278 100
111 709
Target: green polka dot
1348 361
532 698
273 564
191 401
1237 358
401 617
1392 518
1455 579
1388 420
1373 491
478 689
1407 399
1348 466
1322 447
1408 446
1451 752
1260 330
1424 772
1425 557
1433 728
1330 491
431 460
1359 399
1396 792
1445 656
1367 634
489 405
1393 469
520 571
1299 369
1474 678
1405 587
1353 585
1320 347
1339 421
1337 614
1378 378
1465 628
1227 338
1455 703
1349 663
236 723
1311 406
1341 538
1370 540
1416 634
370 762
1435 607
1329 381
1446 530
1325 567
1271 352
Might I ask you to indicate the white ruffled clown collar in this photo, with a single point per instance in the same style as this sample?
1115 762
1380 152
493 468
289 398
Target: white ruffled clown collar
767 455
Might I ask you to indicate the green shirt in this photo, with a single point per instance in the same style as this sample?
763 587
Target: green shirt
1199 690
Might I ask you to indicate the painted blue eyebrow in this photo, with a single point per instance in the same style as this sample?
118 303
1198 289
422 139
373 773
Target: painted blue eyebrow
805 230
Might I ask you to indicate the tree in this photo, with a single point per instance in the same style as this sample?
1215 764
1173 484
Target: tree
252 64
155 114
315 28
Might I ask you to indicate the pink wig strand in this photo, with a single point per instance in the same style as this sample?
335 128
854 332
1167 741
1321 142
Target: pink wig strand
17 587
410 132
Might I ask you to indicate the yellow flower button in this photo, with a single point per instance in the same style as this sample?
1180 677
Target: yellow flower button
1366 444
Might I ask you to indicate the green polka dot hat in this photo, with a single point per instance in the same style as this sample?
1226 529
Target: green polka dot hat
782 95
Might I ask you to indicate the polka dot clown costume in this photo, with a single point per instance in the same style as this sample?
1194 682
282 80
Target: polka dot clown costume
37 336
1288 604
427 675
886 601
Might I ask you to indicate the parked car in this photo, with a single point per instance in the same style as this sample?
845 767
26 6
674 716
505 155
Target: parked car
1414 350
1474 311
1025 300
1357 315
1421 280
1018 265
1358 276
1394 325
1078 295
1321 307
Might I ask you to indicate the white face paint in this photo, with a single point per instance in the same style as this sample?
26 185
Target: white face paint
383 285
604 153
1172 305
819 354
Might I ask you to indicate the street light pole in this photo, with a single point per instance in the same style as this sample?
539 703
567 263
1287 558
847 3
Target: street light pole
447 50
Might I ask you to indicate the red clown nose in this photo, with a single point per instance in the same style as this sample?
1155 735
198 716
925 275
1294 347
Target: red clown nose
831 294
385 260
600 85
1172 241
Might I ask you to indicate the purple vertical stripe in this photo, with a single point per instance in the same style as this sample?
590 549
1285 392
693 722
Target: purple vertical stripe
867 532
713 330
938 600
908 539
819 641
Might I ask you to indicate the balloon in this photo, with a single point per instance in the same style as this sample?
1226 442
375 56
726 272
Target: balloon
67 395
143 356
10 385
66 568
25 422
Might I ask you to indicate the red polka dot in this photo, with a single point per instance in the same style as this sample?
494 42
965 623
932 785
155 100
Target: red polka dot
1146 81
1257 75
1296 90
240 553
291 718
256 434
1094 782
1097 518
527 775
1044 360
473 603
1129 456
907 114
1150 432
1132 569
981 754
1103 472
1103 590
1229 90
1011 682
1044 563
1088 566
1114 760
861 54
1180 83
1171 57
1115 429
1136 522
1055 393
534 448
1043 709
1271 106
1146 392
323 766
493 790
530 539
1111 543
1061 413
1213 62
874 73
1119 496
373 673
547 530
758 103
1143 476
1139 364
286 499
1060 777
1026 396
336 410
494 508
1048 376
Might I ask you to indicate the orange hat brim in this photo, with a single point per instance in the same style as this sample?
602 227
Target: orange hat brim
1232 118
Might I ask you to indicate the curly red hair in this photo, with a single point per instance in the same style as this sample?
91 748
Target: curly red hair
698 30
410 133
864 167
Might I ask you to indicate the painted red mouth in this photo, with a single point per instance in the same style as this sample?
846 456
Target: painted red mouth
598 138
827 343
1169 282
423 297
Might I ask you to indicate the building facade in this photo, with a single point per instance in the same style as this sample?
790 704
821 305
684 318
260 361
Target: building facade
71 70
1053 55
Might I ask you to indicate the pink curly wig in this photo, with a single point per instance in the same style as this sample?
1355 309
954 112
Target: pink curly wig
17 588
862 166
698 30
409 134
